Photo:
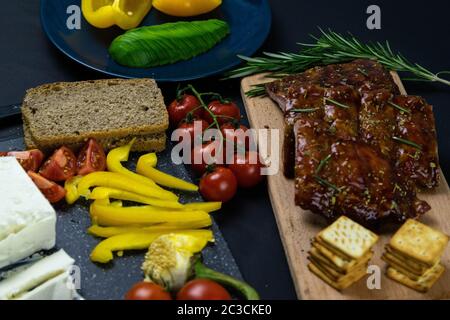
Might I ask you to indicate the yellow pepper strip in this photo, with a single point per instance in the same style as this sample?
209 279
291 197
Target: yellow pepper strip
122 182
107 232
202 206
107 215
103 252
127 14
145 167
121 154
111 193
186 8
71 187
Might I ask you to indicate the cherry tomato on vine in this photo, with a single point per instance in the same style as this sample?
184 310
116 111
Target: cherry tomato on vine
187 128
235 132
179 109
225 112
247 169
206 154
218 185
203 289
147 291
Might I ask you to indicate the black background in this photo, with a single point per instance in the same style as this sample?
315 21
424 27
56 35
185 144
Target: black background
418 29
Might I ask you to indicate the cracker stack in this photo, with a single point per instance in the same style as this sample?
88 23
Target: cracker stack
414 254
340 253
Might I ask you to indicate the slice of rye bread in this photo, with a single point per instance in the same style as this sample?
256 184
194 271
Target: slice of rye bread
68 113
154 142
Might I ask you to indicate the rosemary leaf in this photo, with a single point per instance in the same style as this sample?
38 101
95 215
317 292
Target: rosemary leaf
337 103
326 183
322 163
306 110
398 107
408 142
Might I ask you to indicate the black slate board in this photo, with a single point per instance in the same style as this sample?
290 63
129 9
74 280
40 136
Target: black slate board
111 281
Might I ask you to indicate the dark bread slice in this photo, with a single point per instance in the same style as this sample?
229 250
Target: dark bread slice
68 113
154 142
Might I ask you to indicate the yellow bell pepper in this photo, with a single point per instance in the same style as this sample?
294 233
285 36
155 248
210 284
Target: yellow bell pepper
121 154
122 182
145 167
108 215
107 232
103 252
186 8
71 187
111 193
127 14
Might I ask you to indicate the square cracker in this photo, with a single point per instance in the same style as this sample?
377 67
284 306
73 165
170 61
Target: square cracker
402 269
419 242
334 275
414 266
398 263
338 285
329 261
348 238
423 284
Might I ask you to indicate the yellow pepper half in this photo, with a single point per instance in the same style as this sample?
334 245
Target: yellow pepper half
127 14
145 167
108 215
186 8
71 187
122 182
111 193
103 252
107 232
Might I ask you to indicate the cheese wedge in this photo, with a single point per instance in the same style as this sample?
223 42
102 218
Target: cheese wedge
46 279
27 220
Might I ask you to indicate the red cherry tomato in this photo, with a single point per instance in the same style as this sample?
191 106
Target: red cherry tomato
147 291
246 169
52 191
206 154
29 160
235 132
187 128
203 289
179 109
91 158
61 166
225 112
218 185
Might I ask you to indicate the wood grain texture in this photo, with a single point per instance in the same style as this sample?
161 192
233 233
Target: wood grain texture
297 226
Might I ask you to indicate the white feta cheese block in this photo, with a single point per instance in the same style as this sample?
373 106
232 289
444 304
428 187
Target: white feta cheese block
46 279
27 220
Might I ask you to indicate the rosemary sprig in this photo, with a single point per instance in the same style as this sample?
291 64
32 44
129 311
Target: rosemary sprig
336 103
330 48
408 142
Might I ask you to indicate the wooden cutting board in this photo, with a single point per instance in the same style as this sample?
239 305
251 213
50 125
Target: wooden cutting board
298 226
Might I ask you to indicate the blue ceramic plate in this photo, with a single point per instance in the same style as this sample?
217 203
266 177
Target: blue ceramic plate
249 21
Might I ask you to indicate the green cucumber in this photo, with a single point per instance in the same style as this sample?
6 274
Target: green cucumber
167 43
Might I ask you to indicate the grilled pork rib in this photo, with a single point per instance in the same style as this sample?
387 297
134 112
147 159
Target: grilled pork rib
354 145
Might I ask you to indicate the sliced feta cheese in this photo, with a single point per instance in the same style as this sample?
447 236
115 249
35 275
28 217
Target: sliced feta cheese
46 279
27 220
